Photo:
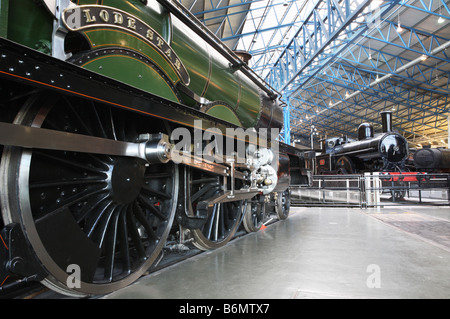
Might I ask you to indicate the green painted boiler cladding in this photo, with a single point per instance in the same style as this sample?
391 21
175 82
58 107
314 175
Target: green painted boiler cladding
141 43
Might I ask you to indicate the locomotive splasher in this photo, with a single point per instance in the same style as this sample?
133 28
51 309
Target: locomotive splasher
86 170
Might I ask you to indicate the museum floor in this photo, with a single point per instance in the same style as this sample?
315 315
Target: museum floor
398 252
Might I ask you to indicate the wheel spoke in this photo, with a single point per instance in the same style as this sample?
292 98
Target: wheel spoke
134 234
123 241
110 243
148 204
156 175
70 163
102 225
111 124
72 200
65 182
217 221
90 206
94 218
144 222
202 192
222 221
155 192
80 121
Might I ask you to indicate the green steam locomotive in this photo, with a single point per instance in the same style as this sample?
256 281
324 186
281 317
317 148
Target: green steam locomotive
123 123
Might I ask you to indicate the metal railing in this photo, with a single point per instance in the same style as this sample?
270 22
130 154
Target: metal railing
374 189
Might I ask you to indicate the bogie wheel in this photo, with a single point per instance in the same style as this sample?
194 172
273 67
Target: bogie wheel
400 186
107 216
221 219
254 214
283 204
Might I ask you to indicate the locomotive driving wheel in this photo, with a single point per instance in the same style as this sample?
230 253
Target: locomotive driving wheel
106 216
344 166
221 219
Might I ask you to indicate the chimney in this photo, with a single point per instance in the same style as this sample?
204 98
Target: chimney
386 120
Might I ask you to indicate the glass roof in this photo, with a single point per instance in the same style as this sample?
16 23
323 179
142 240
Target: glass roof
269 26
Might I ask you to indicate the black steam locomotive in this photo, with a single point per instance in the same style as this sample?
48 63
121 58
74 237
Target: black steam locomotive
382 152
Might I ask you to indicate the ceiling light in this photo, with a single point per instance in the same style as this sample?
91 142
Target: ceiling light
423 57
375 4
441 19
399 27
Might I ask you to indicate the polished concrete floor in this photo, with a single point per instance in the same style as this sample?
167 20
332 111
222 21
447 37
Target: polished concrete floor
401 252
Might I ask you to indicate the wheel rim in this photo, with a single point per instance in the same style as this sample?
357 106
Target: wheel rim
108 215
222 219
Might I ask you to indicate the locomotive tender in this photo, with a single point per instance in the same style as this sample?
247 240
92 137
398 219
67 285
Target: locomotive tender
96 98
435 160
386 151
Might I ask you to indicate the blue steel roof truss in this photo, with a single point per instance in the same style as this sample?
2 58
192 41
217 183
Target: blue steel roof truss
338 63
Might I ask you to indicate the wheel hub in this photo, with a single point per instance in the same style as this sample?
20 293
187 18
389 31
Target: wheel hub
127 178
